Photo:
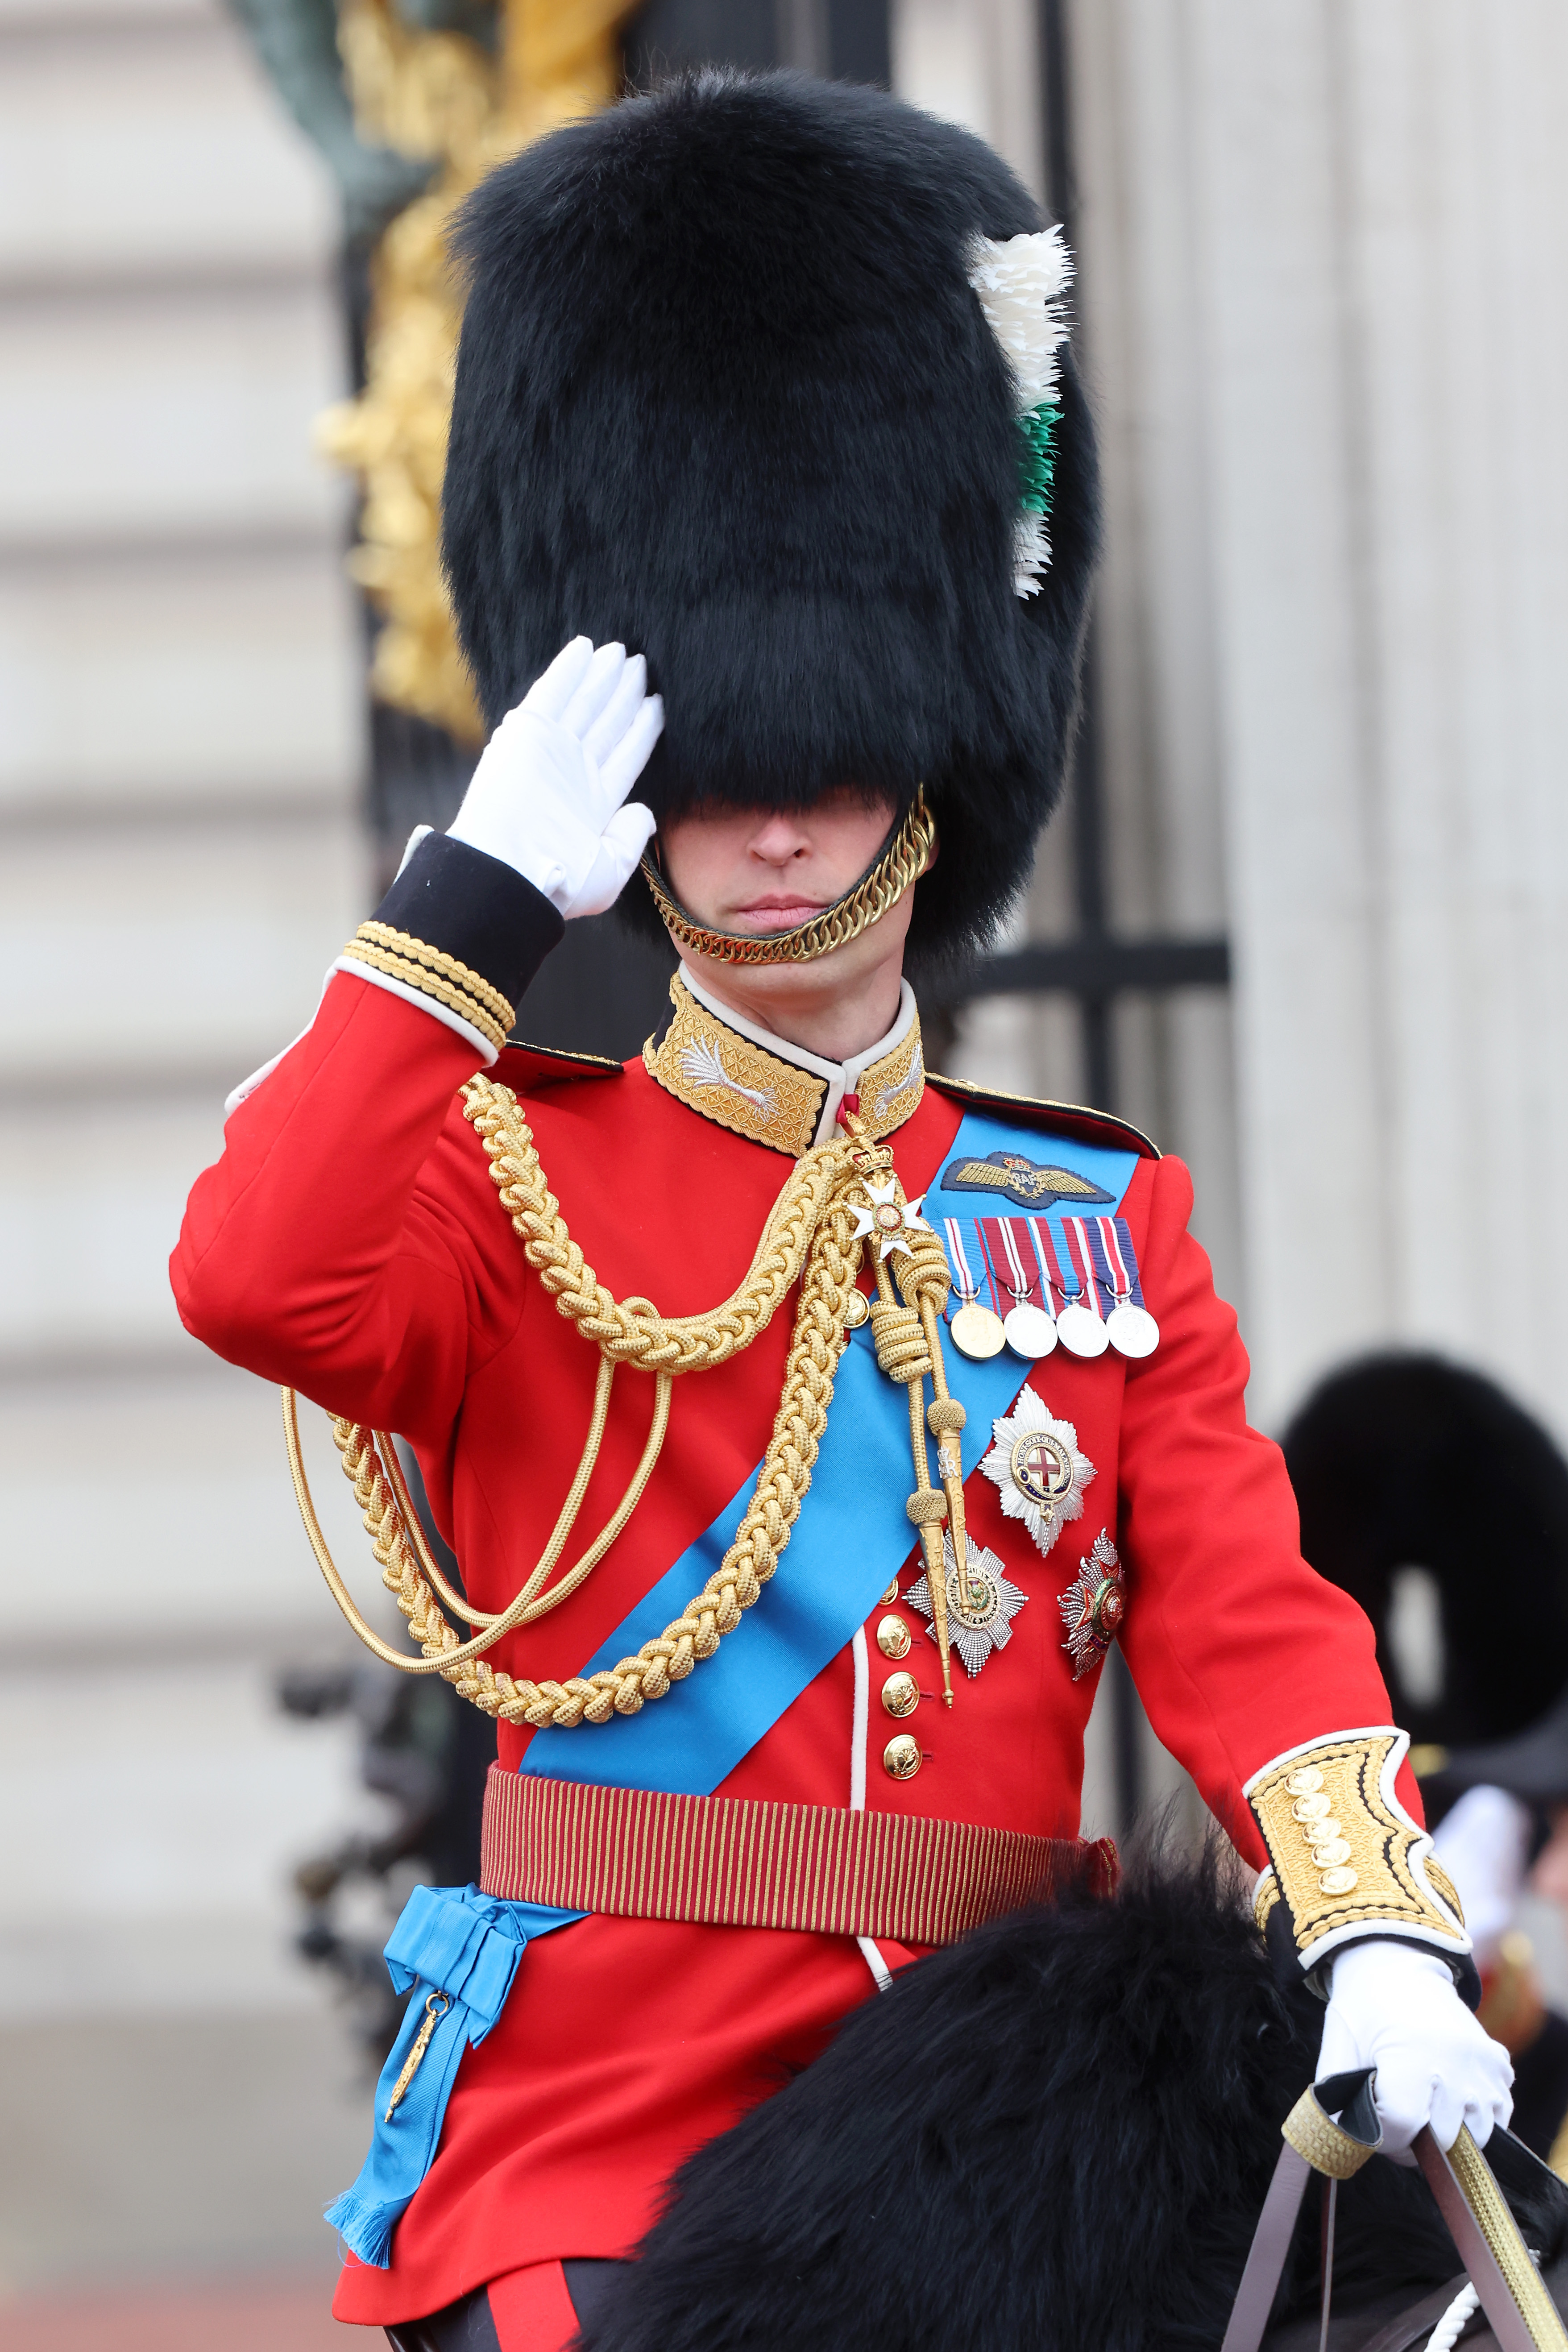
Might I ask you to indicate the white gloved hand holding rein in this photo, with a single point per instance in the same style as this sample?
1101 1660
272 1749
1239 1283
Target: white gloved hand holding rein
549 795
1392 2005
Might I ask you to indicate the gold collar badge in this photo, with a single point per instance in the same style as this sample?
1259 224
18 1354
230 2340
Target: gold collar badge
731 1079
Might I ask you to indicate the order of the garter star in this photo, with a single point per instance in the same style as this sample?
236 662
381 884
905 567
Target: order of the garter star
1037 1468
890 1219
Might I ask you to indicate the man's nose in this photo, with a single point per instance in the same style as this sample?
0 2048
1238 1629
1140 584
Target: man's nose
779 839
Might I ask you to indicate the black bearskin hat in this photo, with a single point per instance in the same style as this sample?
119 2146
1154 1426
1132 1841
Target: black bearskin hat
1375 1456
726 393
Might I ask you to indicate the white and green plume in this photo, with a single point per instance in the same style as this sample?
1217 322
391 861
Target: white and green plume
1021 282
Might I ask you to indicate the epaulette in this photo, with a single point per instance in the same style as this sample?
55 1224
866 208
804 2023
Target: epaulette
1067 1118
519 1062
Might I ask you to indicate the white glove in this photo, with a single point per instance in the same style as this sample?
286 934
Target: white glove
1392 2005
546 797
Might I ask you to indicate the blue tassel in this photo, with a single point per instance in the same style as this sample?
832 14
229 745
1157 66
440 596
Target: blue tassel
366 2229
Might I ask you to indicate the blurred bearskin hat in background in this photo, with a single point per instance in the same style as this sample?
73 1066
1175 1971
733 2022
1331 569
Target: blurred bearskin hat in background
1404 1460
726 392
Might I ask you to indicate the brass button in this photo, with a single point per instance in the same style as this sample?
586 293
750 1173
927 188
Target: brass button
1332 1852
857 1307
1312 1809
1316 1831
893 1636
1338 1882
901 1757
1305 1781
901 1696
891 1595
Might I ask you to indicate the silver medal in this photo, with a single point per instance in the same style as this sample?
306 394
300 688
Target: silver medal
1031 1333
1131 1330
1080 1331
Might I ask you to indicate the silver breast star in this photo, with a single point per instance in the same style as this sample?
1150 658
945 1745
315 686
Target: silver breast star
1038 1469
979 1619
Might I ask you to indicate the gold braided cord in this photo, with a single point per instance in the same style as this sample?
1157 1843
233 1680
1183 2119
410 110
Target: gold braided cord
430 983
897 869
429 1565
630 1330
811 1226
381 935
429 1568
387 1526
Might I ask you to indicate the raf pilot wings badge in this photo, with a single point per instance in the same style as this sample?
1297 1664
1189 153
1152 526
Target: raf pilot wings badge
1026 1181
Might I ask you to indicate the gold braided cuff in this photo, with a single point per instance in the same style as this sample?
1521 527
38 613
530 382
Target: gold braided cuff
1347 1860
432 972
899 864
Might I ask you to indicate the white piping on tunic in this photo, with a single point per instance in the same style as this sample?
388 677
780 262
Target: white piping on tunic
882 1973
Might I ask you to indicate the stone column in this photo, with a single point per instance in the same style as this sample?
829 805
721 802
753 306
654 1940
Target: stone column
1325 255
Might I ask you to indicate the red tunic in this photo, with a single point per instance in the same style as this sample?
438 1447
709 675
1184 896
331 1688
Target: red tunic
351 1243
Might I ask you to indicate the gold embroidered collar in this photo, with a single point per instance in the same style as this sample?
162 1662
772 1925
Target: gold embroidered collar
757 1085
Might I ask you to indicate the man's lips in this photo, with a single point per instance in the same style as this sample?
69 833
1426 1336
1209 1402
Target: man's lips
783 912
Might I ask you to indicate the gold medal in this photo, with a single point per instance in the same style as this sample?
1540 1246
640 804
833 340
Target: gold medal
977 1332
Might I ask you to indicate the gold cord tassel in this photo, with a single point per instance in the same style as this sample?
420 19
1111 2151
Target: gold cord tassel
908 1350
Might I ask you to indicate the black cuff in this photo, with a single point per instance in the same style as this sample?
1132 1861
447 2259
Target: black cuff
1285 1962
470 906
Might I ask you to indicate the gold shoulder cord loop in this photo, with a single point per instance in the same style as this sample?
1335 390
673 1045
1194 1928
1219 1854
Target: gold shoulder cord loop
810 1236
809 1227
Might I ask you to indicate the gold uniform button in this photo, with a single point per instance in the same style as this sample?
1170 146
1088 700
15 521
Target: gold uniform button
1312 1809
857 1307
901 1696
893 1636
1318 1831
1332 1852
891 1595
901 1757
1338 1882
1305 1781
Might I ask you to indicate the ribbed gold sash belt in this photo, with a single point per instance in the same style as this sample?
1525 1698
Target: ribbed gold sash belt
741 1862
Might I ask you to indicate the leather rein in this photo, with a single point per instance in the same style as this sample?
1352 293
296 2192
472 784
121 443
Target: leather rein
1333 2129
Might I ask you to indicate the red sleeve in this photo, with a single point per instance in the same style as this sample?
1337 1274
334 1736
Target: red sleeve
327 1249
1239 1650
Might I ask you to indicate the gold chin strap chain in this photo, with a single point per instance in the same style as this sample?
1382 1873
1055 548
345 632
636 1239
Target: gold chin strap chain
898 865
810 1236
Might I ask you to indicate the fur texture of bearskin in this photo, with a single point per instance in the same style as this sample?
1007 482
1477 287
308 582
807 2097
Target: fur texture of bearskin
1056 2135
1403 1457
725 394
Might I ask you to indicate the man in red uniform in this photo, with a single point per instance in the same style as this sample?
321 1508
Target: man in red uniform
903 1401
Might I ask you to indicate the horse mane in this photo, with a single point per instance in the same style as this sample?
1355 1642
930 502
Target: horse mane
1057 2133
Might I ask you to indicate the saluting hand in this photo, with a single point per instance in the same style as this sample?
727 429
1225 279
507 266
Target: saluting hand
549 795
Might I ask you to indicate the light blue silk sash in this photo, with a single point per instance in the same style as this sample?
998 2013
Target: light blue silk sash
850 1541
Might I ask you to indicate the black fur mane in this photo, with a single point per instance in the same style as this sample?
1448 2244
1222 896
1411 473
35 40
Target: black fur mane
1057 2134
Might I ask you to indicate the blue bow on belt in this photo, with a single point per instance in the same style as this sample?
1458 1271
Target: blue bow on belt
458 1949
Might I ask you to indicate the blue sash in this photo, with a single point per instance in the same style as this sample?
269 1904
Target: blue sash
848 1544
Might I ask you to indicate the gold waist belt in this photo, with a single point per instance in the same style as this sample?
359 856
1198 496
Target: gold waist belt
729 1862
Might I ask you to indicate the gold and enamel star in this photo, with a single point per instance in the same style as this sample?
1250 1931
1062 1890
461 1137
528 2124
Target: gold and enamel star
889 1219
